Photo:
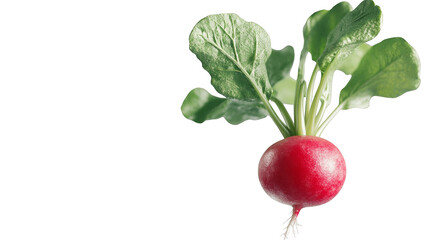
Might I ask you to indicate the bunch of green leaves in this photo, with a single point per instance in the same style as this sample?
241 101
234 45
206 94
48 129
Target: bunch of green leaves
251 76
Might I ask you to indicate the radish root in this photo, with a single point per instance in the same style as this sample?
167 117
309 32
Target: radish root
292 225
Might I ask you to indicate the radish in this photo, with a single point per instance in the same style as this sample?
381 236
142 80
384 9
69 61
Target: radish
302 171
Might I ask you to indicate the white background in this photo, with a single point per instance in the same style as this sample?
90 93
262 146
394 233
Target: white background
93 144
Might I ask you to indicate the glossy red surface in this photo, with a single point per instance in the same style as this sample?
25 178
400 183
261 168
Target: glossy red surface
302 171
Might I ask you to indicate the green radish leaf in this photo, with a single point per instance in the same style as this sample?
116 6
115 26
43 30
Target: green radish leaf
349 64
357 27
279 64
234 52
284 90
239 111
319 25
199 106
389 69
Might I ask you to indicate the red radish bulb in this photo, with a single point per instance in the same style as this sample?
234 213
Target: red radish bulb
302 171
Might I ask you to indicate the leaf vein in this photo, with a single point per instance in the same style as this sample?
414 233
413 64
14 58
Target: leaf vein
236 63
255 55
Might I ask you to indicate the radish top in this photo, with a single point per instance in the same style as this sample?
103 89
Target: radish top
254 79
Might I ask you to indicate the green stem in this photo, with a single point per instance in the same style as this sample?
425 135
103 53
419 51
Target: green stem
300 125
315 103
325 102
299 80
286 116
329 118
301 66
280 125
321 112
310 91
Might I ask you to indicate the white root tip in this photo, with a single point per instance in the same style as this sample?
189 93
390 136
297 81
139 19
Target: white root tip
292 225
